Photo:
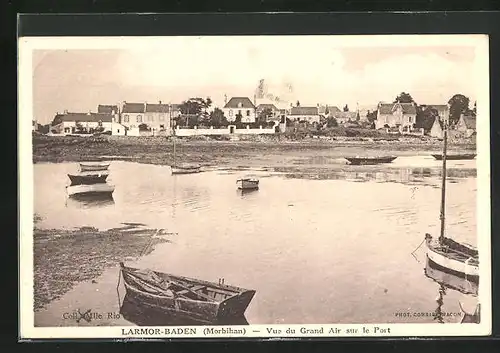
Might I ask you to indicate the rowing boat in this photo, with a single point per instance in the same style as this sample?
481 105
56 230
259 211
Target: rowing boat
370 160
455 157
247 183
101 189
88 167
88 178
195 299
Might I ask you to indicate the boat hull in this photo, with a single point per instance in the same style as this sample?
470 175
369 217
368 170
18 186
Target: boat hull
87 179
101 189
457 266
185 170
247 184
369 160
456 157
93 167
233 302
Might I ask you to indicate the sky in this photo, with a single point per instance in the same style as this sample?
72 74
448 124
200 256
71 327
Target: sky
310 69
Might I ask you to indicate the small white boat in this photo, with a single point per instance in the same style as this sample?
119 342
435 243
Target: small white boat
185 169
445 253
100 189
88 167
247 183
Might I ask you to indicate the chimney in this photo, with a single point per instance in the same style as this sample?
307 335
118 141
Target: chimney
145 104
159 102
89 113
65 111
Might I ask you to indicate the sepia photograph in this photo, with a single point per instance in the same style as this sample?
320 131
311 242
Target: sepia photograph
254 186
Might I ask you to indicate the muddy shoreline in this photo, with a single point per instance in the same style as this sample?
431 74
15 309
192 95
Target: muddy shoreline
262 153
63 258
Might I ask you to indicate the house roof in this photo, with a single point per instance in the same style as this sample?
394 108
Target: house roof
470 122
332 109
133 108
388 108
235 103
156 108
345 115
304 111
85 117
266 105
107 109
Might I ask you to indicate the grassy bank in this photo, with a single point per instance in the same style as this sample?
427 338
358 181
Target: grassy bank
63 258
208 152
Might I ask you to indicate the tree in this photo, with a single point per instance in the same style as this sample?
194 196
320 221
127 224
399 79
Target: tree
331 122
371 116
264 114
474 110
459 104
425 117
79 127
297 104
196 106
143 127
57 120
217 118
346 108
404 97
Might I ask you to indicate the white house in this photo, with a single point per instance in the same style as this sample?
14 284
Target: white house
400 115
242 106
308 114
74 123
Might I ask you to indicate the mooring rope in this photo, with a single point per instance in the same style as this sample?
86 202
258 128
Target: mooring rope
418 247
118 289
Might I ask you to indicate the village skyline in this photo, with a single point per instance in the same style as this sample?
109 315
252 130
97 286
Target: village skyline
321 72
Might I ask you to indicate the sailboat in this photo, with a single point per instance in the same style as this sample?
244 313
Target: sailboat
445 253
183 168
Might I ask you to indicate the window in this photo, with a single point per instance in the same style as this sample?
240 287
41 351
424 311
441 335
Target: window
118 131
248 112
139 118
230 112
240 105
239 112
125 118
162 126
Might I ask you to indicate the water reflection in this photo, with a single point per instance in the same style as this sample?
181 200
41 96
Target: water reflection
246 192
145 316
452 281
87 201
400 175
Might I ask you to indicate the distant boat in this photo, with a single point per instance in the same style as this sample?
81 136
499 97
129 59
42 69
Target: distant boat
455 157
370 160
458 258
247 183
87 167
185 168
100 189
88 178
199 300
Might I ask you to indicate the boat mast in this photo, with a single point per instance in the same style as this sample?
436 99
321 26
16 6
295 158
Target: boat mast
173 129
443 181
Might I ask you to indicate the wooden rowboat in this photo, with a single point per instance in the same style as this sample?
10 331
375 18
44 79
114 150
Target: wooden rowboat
195 299
185 169
247 183
455 157
101 189
88 167
88 178
370 160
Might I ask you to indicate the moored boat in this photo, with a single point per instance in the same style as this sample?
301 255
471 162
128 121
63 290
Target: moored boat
199 300
455 157
449 280
247 183
370 160
455 257
87 167
100 189
468 317
185 169
88 178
